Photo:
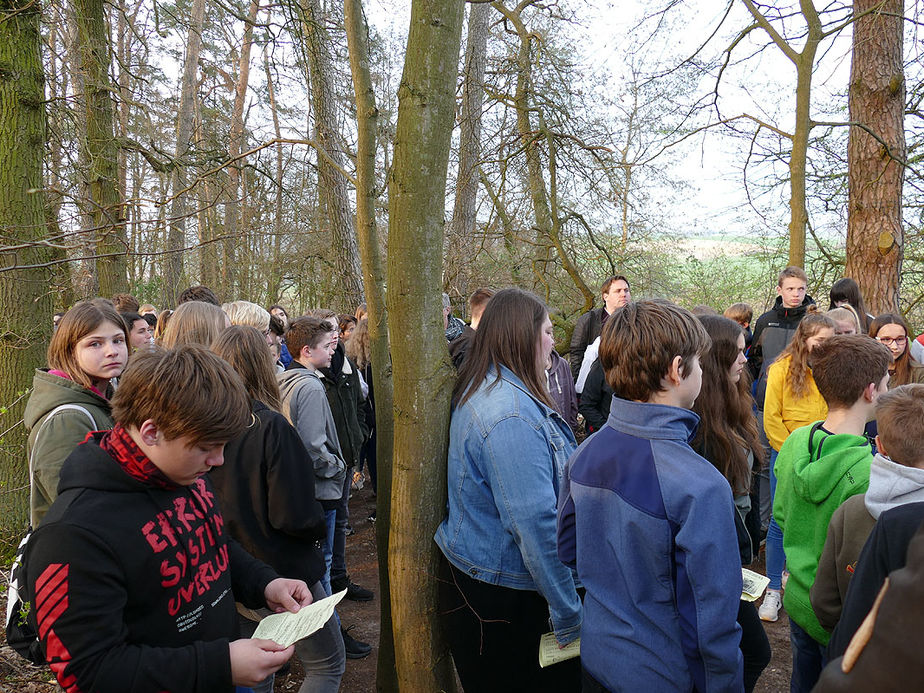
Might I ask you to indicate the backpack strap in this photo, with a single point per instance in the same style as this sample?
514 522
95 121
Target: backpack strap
48 417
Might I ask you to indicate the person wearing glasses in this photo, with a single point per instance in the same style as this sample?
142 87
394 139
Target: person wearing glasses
892 331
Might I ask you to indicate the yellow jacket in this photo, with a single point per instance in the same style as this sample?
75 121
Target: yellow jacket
783 411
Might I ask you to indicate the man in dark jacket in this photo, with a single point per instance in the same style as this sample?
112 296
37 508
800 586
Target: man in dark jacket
616 294
132 575
458 347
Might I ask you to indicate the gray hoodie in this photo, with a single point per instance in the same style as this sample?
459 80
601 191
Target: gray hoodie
304 404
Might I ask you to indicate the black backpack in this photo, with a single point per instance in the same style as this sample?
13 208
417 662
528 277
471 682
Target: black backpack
20 633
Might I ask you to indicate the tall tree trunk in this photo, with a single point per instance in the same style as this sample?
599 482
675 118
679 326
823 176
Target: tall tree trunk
176 237
274 276
235 146
798 213
25 301
476 51
101 177
374 280
331 179
875 238
423 373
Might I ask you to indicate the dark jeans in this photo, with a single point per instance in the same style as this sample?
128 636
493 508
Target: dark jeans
494 633
808 659
367 456
755 647
338 570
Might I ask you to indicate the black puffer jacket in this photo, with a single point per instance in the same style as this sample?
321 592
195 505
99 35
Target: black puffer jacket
772 332
266 488
345 395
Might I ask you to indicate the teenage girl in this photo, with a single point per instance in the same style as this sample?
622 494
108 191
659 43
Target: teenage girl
195 322
268 502
846 292
891 330
71 397
792 401
728 438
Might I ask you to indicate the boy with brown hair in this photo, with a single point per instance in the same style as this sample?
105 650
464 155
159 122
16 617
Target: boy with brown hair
131 574
742 313
666 619
896 478
818 468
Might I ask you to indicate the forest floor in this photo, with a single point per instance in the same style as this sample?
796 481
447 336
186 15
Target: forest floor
18 676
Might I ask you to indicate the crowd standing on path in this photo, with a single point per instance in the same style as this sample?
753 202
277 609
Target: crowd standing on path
191 471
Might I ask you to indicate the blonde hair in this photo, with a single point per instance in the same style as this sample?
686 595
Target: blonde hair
194 322
247 313
845 313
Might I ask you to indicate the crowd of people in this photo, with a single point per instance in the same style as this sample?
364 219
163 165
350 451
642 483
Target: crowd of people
191 471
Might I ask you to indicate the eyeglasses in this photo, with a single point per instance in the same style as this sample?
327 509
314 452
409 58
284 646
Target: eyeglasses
889 341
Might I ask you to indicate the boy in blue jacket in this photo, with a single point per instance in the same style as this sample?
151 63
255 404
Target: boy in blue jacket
663 577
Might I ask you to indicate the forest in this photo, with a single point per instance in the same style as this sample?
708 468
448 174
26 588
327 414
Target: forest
326 153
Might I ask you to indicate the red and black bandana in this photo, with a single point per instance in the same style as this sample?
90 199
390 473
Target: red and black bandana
132 459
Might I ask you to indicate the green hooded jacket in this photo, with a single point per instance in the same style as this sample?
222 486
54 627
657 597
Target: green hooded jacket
815 473
63 432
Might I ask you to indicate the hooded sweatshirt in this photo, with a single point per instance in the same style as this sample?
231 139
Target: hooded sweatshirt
816 472
561 387
131 580
890 485
60 435
305 406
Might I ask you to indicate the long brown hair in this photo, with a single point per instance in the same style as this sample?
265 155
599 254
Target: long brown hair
798 351
245 349
728 427
76 324
508 335
194 322
902 373
358 347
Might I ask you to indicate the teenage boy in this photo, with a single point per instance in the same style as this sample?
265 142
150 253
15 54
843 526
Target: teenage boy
131 574
616 294
818 468
305 404
742 314
649 524
896 478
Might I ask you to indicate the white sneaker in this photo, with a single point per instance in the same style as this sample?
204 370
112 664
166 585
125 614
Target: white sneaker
770 608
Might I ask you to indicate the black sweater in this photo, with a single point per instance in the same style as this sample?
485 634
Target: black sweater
132 584
266 489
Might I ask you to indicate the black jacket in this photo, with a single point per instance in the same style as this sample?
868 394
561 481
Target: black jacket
345 395
772 332
596 398
267 497
885 550
133 585
586 330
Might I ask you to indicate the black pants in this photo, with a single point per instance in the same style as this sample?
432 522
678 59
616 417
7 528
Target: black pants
494 633
754 644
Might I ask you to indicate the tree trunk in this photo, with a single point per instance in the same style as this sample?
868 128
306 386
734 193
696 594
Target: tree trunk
274 276
176 236
25 301
330 157
235 146
374 280
798 213
875 237
463 215
423 373
101 154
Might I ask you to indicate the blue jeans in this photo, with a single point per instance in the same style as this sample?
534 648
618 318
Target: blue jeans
776 559
337 568
330 519
808 659
322 654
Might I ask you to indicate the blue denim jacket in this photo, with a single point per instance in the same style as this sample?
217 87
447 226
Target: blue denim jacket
507 455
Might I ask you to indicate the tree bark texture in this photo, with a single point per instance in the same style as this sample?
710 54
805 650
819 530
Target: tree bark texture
102 203
274 276
235 146
330 157
357 33
25 300
423 373
476 51
875 237
176 236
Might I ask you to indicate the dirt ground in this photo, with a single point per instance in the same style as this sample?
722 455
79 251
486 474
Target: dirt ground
17 676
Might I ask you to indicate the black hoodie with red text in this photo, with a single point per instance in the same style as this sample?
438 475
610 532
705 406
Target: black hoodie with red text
133 584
